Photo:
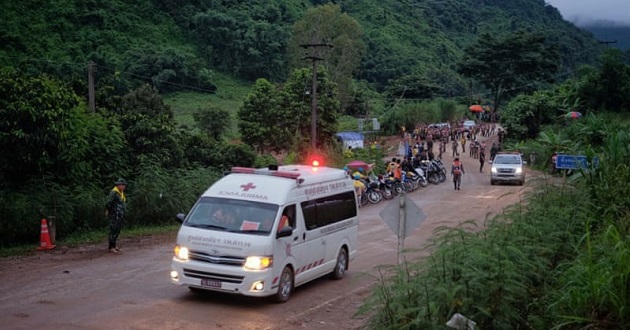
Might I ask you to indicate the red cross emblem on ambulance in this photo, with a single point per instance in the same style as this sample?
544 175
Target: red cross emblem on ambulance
248 186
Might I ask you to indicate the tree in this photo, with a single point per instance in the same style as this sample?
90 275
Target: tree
149 128
609 89
263 123
213 121
511 64
295 97
279 118
524 116
328 25
46 130
245 38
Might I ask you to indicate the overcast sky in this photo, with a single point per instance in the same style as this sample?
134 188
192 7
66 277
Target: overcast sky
586 11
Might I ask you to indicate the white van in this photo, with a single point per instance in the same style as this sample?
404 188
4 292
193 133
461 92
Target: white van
263 232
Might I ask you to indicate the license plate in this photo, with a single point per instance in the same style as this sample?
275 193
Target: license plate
210 282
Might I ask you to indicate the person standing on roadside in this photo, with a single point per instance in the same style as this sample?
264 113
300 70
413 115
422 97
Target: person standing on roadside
115 212
482 159
454 147
457 170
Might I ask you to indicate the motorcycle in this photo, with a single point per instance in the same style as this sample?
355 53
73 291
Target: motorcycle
421 177
441 169
372 192
432 172
385 187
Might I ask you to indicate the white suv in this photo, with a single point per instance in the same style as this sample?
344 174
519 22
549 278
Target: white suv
507 167
468 124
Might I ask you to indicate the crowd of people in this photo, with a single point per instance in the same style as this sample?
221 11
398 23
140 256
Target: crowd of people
427 142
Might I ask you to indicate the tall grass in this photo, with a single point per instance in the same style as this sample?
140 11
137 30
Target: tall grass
229 96
496 276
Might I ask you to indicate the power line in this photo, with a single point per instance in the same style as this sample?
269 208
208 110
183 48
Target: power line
81 67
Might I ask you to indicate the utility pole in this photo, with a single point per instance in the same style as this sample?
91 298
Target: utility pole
91 87
314 59
608 42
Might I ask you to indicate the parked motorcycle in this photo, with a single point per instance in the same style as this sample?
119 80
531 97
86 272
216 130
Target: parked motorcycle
420 178
385 187
433 173
372 192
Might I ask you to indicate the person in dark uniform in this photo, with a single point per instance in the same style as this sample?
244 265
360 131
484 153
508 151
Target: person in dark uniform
482 159
457 170
115 212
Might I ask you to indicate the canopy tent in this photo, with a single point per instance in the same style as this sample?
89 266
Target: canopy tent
351 139
475 108
573 115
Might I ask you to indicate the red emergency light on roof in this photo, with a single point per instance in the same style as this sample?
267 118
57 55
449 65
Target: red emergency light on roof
286 174
251 170
314 160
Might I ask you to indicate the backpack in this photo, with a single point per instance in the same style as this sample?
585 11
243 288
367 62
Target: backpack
457 168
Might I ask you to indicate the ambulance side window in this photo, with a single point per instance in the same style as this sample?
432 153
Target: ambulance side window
310 215
328 210
289 212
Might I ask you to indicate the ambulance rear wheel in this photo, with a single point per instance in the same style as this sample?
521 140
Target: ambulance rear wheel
341 265
285 286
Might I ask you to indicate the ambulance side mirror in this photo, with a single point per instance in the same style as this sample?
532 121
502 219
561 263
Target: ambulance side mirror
180 217
285 232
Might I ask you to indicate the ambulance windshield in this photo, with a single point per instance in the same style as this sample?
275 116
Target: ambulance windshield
232 215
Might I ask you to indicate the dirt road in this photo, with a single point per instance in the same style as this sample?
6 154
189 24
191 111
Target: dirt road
87 288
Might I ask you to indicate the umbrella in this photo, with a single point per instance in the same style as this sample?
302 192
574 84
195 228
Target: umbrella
475 108
573 115
355 164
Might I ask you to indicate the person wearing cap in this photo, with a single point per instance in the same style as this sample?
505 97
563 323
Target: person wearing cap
115 212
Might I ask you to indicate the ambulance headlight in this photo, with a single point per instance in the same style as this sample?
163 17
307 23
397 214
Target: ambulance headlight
493 170
181 252
258 263
519 170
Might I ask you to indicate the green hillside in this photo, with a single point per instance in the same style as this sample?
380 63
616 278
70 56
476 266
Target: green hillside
179 46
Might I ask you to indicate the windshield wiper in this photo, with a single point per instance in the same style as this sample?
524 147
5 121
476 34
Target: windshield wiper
254 231
200 225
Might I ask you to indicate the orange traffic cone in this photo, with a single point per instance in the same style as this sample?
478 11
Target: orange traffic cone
45 243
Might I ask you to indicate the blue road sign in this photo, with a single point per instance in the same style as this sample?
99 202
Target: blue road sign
574 162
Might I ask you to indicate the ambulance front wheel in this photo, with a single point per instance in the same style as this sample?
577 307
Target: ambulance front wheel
285 286
342 264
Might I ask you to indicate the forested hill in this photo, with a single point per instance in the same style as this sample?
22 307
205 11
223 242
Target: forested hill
178 43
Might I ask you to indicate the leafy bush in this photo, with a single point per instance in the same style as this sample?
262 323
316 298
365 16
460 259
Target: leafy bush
156 195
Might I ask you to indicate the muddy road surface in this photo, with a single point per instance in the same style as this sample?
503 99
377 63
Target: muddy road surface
87 288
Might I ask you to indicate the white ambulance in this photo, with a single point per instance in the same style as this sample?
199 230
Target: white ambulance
263 232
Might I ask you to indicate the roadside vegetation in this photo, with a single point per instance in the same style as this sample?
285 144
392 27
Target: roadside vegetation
557 260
